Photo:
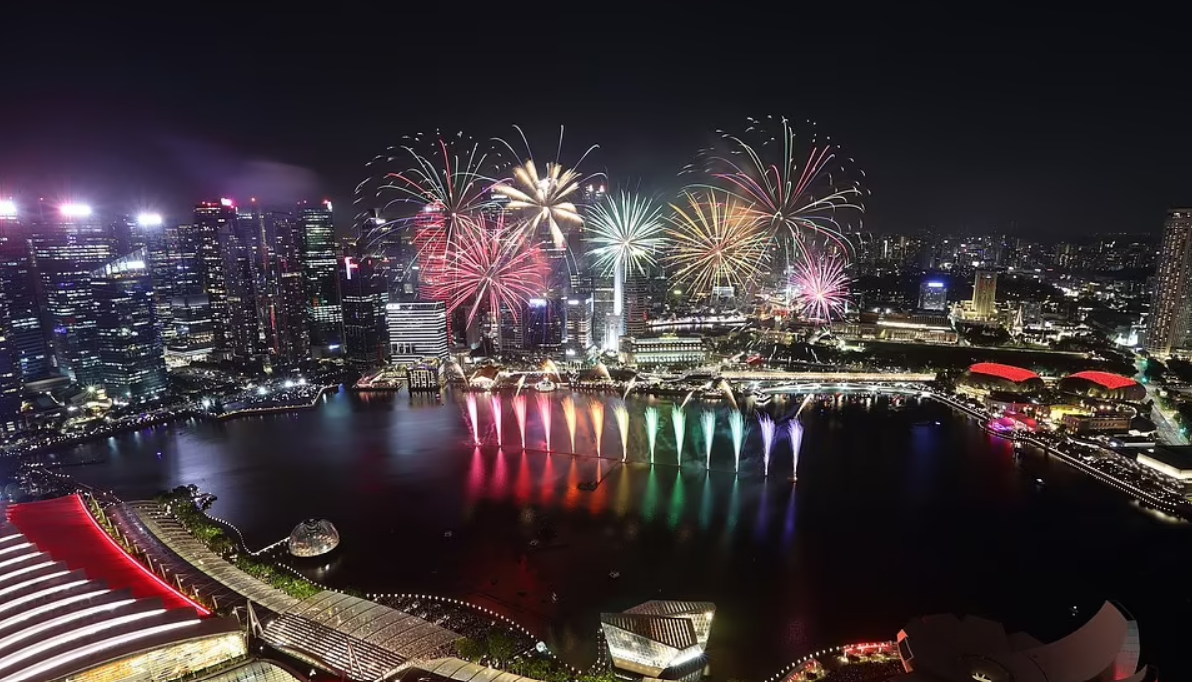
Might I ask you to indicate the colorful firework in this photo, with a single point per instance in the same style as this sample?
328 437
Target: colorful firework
548 197
797 181
716 243
445 175
819 288
488 267
627 230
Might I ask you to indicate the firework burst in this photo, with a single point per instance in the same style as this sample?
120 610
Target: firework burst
798 182
820 288
486 265
543 198
627 230
449 176
717 242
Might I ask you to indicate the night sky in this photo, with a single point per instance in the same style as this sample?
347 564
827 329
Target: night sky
1048 135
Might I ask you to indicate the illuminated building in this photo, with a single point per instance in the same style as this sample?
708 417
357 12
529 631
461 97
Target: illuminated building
929 327
285 300
417 331
933 295
24 336
664 350
636 305
244 248
81 609
132 360
11 382
319 268
984 293
194 335
1103 385
424 378
986 377
430 245
1172 460
1167 326
364 293
944 648
204 261
313 537
657 636
67 248
542 324
165 269
580 310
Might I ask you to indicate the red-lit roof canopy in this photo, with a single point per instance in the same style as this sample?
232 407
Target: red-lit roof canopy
1107 380
1007 372
64 529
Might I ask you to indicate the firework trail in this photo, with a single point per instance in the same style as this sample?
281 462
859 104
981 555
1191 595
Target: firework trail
820 288
569 417
519 411
716 243
679 422
651 429
596 411
621 417
767 427
796 433
496 404
736 424
471 400
795 181
544 408
490 269
543 198
708 421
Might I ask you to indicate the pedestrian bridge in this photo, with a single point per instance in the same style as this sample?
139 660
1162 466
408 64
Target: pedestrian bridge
826 377
844 387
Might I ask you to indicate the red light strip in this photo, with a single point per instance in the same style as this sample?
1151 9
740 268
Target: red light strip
202 611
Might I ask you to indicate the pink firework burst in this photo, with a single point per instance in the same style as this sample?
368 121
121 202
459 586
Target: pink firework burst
490 268
820 288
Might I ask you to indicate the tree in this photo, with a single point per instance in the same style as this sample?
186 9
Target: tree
469 649
501 646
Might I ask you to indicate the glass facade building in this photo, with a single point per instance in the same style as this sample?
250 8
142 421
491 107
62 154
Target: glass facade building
319 269
132 360
203 267
417 331
364 293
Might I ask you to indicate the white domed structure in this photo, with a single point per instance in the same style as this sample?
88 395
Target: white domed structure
313 537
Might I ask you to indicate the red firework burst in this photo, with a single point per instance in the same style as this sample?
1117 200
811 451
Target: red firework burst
487 264
820 288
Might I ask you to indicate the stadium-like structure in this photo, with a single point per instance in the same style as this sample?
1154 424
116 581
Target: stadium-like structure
995 377
1103 386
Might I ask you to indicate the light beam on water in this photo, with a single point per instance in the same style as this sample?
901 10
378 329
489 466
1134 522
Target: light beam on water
708 421
519 411
471 400
767 426
544 409
569 417
679 422
621 416
651 429
736 424
796 432
497 417
596 412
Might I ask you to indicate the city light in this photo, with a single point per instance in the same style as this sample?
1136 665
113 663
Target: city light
74 210
149 220
225 202
8 208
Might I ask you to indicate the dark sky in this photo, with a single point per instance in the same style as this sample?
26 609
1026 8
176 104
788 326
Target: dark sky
1064 132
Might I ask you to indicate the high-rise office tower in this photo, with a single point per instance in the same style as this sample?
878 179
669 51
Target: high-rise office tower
204 261
164 259
636 305
985 293
319 267
417 331
194 333
132 361
68 243
933 295
430 245
10 369
244 248
543 325
1167 326
364 293
580 309
18 282
285 313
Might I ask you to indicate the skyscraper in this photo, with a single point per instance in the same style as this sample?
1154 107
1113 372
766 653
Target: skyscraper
580 308
543 325
417 331
165 269
132 361
1167 326
985 293
10 369
364 292
636 306
241 244
933 295
289 335
319 269
68 244
204 261
18 282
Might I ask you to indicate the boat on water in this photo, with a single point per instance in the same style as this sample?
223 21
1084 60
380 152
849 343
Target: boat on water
545 386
